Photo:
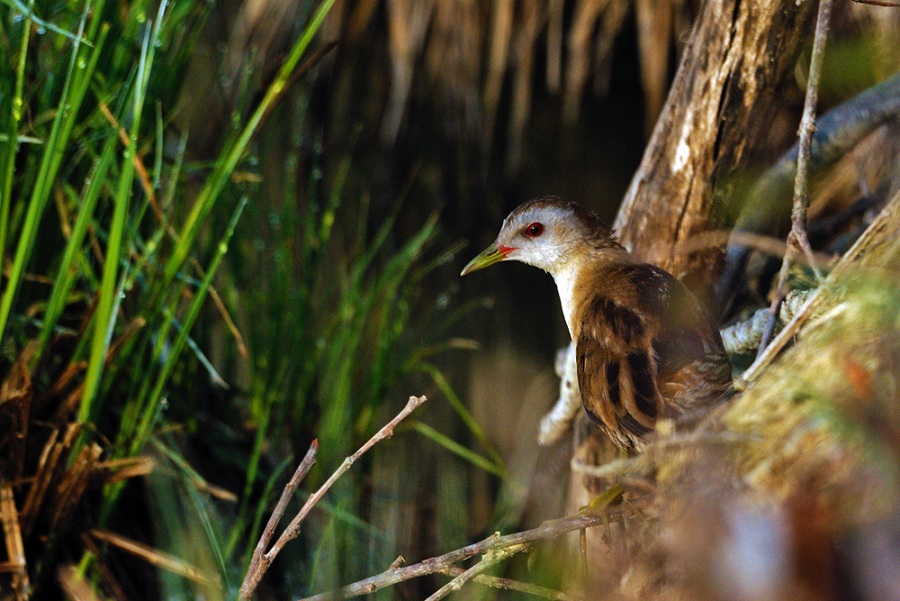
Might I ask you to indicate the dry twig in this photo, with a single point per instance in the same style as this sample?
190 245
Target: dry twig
15 549
441 564
262 560
156 557
508 584
266 537
797 239
491 558
873 237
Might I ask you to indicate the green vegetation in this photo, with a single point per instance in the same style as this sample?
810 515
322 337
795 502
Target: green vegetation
125 264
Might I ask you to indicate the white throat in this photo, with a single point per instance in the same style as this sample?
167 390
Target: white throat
565 279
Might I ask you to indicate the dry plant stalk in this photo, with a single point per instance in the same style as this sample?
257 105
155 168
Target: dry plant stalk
74 587
491 545
153 556
15 549
797 240
262 559
507 584
491 558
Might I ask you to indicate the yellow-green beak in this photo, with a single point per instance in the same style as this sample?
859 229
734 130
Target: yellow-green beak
490 255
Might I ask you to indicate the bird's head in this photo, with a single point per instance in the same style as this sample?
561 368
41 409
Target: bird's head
545 232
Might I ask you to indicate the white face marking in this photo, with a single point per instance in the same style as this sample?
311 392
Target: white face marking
553 250
547 251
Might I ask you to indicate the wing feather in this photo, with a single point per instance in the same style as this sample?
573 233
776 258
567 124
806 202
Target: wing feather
645 351
616 371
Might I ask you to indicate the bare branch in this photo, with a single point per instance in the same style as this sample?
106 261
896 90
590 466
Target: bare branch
879 230
491 558
797 240
264 560
266 537
508 584
546 531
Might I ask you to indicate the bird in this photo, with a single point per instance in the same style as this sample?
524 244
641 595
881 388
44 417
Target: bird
645 347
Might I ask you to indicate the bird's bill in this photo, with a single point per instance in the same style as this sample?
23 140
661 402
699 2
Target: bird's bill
492 254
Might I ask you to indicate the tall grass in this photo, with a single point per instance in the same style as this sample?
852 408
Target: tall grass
113 244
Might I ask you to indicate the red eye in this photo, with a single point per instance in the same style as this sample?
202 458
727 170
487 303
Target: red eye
534 230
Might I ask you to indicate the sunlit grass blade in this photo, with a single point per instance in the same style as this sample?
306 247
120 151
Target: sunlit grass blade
104 317
73 92
71 263
8 155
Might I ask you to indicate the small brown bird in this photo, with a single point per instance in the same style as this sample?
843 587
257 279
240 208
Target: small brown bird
645 347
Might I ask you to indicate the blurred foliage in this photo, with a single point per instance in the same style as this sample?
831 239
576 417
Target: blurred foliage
195 321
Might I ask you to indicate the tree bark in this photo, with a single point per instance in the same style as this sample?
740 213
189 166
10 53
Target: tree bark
724 94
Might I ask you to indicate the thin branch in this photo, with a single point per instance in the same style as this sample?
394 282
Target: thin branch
434 565
386 432
712 238
872 238
255 574
509 584
837 132
289 489
491 558
798 240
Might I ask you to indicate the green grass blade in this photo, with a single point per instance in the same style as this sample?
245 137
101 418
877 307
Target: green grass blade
105 317
223 169
72 96
459 450
8 157
73 255
201 511
28 12
151 409
460 408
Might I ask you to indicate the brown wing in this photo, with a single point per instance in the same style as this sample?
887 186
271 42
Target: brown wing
617 371
661 359
693 368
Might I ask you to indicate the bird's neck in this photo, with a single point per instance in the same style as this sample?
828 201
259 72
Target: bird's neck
571 274
566 280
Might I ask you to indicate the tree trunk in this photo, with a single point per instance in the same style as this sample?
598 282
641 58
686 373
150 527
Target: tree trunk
724 95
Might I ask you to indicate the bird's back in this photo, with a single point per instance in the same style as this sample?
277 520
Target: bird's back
646 349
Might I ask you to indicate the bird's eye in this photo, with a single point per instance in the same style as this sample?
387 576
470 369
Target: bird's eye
534 230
